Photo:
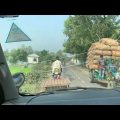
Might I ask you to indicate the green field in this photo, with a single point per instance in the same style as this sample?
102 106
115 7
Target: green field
15 69
32 84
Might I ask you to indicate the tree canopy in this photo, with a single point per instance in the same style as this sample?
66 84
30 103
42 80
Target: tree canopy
83 30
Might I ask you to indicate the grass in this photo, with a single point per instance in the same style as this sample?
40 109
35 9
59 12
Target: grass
30 88
15 69
33 83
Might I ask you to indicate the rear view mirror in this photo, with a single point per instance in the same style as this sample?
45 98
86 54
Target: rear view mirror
19 79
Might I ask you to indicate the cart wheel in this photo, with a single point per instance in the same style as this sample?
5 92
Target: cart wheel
111 85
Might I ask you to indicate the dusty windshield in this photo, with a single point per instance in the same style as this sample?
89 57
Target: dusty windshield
63 50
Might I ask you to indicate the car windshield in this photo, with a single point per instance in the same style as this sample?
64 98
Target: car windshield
69 50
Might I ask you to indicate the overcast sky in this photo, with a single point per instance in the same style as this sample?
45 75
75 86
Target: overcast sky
45 31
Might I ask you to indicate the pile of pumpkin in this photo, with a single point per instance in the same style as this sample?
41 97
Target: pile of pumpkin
107 47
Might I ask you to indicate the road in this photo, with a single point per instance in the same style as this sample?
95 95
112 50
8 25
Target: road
78 77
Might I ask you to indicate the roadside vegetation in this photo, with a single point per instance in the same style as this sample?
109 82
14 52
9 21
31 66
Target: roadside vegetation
34 73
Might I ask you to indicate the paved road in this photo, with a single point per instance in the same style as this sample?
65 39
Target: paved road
78 77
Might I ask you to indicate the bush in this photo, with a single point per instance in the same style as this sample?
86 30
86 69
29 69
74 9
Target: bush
39 73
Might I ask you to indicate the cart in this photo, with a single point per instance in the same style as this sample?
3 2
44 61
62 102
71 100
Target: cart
55 84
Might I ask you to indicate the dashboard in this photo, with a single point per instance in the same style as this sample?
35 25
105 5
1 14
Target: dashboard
72 97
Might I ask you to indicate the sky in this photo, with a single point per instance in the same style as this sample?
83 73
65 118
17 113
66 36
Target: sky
45 31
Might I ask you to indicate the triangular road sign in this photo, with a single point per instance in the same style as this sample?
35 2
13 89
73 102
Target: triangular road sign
16 35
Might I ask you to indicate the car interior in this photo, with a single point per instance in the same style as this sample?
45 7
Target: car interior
9 92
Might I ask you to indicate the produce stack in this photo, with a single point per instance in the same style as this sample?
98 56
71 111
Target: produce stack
107 47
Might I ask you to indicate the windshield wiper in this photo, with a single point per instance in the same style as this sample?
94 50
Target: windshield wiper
26 94
62 89
54 91
76 88
37 94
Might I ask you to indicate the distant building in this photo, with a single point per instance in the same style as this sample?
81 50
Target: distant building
33 58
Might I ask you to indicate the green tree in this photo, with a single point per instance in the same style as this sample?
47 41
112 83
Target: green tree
6 53
59 53
82 30
28 49
13 56
20 54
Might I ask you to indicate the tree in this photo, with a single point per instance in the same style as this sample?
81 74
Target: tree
20 54
59 53
44 55
13 56
44 52
6 53
28 49
83 30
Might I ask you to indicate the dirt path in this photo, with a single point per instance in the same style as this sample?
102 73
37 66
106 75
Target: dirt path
78 77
